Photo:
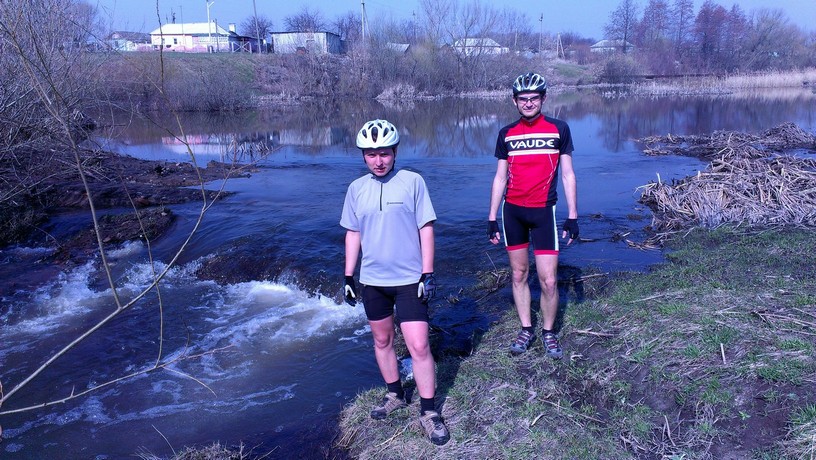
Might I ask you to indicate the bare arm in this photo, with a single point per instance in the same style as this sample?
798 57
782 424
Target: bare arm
426 241
352 251
497 193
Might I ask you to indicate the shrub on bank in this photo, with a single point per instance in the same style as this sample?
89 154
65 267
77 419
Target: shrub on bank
225 82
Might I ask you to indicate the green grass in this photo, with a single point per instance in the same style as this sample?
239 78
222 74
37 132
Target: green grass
801 436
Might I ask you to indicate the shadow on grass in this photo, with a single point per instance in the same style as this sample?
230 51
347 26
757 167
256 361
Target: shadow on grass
450 358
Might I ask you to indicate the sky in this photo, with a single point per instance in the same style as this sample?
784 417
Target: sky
584 17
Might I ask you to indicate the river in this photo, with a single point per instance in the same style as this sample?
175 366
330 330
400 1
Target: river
267 355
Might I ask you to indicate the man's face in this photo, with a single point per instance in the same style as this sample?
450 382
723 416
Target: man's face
380 161
529 104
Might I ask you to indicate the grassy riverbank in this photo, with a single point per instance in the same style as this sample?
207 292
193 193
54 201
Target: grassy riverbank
709 355
229 82
762 83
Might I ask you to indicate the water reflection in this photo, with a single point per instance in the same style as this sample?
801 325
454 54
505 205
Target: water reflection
454 127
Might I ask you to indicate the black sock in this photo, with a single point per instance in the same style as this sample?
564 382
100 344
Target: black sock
396 387
426 404
529 329
546 331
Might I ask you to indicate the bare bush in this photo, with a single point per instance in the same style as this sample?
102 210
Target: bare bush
620 69
43 65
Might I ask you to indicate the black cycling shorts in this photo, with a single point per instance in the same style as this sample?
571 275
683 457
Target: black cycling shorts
523 223
379 303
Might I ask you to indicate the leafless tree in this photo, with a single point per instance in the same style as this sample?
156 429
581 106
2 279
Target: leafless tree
305 20
436 17
49 38
709 30
773 40
513 29
682 21
652 37
256 25
653 28
735 38
349 27
622 23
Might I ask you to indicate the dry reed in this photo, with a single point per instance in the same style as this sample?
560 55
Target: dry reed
727 84
747 181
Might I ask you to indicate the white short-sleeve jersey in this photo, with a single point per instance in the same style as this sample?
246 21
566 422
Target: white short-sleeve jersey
388 212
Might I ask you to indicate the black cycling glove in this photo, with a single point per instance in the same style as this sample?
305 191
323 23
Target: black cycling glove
350 291
571 227
492 229
427 287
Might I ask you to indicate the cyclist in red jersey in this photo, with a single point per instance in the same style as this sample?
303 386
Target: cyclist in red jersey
531 153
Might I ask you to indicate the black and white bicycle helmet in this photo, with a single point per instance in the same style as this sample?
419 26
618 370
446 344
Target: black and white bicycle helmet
529 83
377 134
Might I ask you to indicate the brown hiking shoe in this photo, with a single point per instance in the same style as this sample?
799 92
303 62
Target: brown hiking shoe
390 403
434 427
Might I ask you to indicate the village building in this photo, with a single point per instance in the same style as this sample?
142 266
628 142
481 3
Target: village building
306 43
129 41
479 47
201 37
612 46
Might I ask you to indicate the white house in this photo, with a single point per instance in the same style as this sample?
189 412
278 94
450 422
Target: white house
200 37
478 46
611 46
306 43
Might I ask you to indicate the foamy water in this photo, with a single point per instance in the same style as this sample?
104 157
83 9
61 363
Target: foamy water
238 334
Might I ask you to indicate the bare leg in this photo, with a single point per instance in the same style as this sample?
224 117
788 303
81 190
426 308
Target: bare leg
383 332
416 338
520 267
546 268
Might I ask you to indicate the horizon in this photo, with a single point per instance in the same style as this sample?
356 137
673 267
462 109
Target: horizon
569 17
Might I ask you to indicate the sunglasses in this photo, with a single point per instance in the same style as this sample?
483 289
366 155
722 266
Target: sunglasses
524 100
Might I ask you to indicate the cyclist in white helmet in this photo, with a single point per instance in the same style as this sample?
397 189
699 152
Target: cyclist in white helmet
388 216
532 152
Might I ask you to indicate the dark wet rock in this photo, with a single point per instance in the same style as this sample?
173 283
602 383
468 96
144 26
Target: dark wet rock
116 183
241 263
115 229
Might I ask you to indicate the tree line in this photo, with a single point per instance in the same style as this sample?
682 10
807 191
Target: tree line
668 38
663 37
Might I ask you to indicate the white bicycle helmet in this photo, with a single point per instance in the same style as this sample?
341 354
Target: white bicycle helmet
530 83
377 134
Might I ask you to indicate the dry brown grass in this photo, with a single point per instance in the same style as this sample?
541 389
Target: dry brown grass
728 84
745 183
215 451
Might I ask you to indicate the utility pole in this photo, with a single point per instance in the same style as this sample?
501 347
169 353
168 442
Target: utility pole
183 38
217 38
257 29
415 27
209 24
363 20
540 32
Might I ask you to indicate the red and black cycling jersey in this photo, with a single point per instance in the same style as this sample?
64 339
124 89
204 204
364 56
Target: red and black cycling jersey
533 150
